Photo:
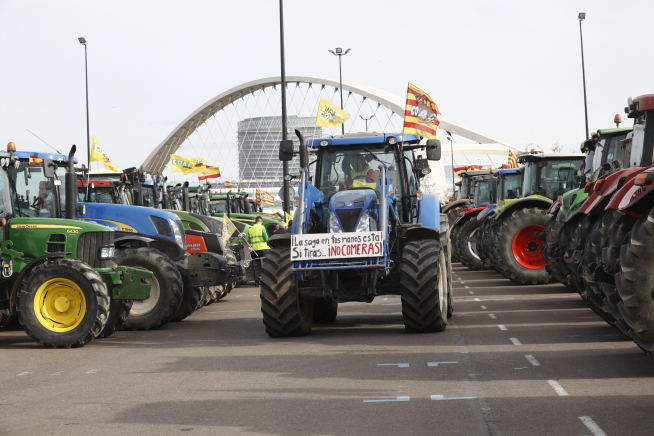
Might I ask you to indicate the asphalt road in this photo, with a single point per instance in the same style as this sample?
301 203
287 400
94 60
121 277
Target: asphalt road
514 360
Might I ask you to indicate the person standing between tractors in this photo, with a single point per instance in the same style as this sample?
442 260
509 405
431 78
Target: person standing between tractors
258 238
361 176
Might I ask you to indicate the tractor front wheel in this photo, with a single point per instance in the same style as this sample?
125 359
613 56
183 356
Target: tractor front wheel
63 303
468 244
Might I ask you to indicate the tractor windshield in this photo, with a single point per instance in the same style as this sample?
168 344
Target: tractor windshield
353 168
463 190
638 142
149 197
218 206
511 186
607 150
483 193
550 178
35 194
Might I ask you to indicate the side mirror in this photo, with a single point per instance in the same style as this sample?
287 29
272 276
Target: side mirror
48 168
422 166
304 152
433 149
286 150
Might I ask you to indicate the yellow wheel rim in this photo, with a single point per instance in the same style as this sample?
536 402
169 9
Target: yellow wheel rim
59 305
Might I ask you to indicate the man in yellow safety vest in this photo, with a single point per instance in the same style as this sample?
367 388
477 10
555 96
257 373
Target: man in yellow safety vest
258 238
361 176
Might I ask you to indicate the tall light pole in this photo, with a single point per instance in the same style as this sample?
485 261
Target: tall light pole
286 177
582 17
339 53
452 151
82 41
367 119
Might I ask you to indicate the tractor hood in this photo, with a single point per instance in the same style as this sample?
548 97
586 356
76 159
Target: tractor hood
347 207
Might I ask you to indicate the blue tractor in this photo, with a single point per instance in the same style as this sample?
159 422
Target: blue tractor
362 228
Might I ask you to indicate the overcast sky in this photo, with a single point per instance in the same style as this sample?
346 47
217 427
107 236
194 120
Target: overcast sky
507 69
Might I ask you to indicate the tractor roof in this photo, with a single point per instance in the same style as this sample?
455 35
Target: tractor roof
613 131
473 173
511 171
54 157
364 139
639 104
535 157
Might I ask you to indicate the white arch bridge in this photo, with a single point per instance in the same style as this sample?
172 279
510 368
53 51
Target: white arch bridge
239 129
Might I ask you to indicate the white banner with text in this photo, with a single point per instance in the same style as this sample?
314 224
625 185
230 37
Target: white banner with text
336 245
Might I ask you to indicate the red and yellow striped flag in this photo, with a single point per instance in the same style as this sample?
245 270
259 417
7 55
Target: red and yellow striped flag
35 160
420 113
262 197
228 184
209 172
513 160
466 168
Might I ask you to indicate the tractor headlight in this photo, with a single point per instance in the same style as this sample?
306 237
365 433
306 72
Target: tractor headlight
179 235
334 225
364 222
107 252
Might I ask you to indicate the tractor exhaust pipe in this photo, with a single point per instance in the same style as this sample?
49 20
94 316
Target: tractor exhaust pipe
164 196
185 201
71 186
304 164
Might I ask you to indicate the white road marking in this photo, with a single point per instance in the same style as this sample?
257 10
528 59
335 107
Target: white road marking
437 363
492 315
385 298
391 304
467 287
471 293
442 397
484 307
396 313
495 299
231 311
93 371
399 365
396 325
58 373
524 367
532 360
515 341
501 326
25 373
118 337
464 352
463 283
592 426
563 296
476 299
384 401
557 387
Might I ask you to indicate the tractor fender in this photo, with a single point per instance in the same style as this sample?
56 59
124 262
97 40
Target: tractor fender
129 240
484 213
535 201
430 211
170 249
25 271
419 233
468 216
634 199
281 240
456 203
598 200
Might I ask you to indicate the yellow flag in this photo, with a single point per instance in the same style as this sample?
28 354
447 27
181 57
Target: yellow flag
97 155
187 166
330 115
289 217
228 228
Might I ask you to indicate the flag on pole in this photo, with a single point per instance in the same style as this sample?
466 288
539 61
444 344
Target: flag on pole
35 160
186 166
228 228
228 184
289 218
420 114
460 170
262 197
209 172
330 115
97 155
513 160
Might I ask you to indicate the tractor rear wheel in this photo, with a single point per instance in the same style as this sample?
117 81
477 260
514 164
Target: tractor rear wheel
191 300
551 247
519 252
63 303
424 294
165 288
455 234
324 311
635 280
610 257
285 313
468 242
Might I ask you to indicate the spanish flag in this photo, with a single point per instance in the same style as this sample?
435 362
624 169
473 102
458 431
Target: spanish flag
513 160
460 170
35 160
228 184
209 172
420 113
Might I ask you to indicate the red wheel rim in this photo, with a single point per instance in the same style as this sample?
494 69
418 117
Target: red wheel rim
526 249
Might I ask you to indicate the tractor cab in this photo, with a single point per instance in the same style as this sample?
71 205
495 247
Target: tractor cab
509 184
550 175
485 190
467 184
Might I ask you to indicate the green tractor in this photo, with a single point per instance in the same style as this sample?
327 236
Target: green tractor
513 234
58 275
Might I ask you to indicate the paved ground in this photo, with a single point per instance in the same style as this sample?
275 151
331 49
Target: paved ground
514 360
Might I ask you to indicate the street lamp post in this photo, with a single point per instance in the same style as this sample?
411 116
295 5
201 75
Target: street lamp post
582 17
286 177
339 53
452 151
367 119
82 41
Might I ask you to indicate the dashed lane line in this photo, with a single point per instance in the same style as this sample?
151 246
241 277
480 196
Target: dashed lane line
471 293
399 365
515 341
532 360
467 287
438 363
386 401
557 387
442 397
93 371
501 327
25 373
58 373
492 315
592 426
484 307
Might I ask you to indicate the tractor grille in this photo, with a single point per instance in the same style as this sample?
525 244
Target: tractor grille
56 243
349 218
87 248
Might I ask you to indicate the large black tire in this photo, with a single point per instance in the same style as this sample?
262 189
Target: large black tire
324 311
452 215
52 282
468 241
284 312
118 313
226 290
488 235
191 300
165 288
610 256
592 260
518 221
634 281
551 249
455 234
424 299
578 232
481 246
